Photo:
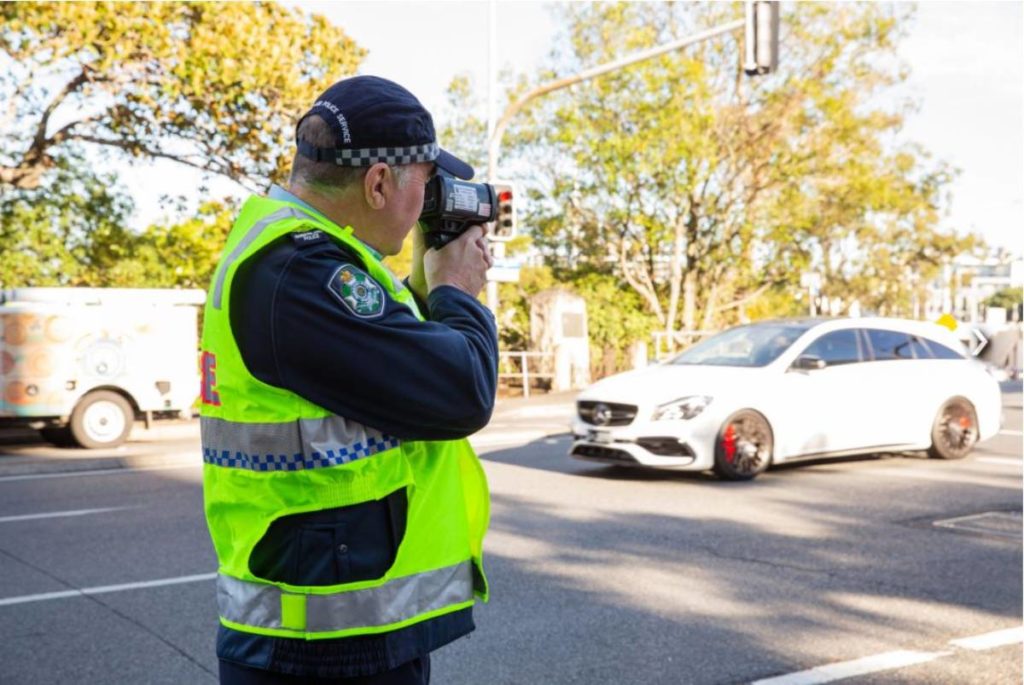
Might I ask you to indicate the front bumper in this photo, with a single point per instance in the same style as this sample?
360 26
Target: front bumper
679 445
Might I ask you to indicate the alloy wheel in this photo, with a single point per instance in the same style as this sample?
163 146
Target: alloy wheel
744 446
957 431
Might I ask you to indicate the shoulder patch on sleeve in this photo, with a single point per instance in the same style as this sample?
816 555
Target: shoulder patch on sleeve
308 237
357 291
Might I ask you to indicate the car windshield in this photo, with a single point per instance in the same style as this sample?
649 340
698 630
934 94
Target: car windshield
753 345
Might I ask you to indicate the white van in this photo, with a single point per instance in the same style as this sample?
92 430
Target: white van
81 364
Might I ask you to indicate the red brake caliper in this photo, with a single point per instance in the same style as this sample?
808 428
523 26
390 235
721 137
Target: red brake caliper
729 443
965 426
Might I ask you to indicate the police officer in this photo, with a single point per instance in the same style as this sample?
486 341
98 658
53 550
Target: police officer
345 505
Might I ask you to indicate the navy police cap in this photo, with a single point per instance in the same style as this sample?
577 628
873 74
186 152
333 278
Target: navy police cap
376 120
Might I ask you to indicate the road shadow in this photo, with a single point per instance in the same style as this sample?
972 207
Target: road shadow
616 593
760 578
551 453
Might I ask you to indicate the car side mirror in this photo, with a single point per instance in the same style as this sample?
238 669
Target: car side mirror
809 362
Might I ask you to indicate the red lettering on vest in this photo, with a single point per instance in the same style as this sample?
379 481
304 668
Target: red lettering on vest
209 380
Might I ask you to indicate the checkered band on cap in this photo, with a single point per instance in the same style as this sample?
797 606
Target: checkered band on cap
392 156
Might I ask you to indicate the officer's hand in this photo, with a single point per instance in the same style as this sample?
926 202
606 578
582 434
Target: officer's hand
462 263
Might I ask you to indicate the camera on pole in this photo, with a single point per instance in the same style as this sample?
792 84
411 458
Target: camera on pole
761 47
505 224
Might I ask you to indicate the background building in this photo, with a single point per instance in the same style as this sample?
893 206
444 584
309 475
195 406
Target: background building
968 281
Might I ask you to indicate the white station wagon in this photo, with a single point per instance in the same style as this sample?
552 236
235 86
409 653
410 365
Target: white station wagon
782 390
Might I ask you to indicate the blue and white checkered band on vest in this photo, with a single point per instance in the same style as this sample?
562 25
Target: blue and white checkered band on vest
361 157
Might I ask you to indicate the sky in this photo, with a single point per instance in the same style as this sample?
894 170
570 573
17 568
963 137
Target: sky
966 63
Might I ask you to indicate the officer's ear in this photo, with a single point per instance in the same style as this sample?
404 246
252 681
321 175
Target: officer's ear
375 185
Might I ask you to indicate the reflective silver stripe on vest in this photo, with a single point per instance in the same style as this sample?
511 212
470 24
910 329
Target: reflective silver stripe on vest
244 243
290 445
259 605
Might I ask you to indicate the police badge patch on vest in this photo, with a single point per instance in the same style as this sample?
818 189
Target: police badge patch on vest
360 294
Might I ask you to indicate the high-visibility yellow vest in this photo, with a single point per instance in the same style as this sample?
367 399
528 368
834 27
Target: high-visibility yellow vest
269 453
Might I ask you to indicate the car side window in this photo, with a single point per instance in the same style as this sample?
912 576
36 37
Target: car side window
835 348
888 345
920 347
940 351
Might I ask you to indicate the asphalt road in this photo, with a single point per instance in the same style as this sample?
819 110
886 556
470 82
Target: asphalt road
599 574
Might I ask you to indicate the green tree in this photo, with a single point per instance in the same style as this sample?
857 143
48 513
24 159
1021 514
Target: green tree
703 190
615 319
616 316
177 255
215 86
49 243
1007 298
80 237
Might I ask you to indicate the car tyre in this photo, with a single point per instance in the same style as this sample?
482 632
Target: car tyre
743 447
101 419
954 430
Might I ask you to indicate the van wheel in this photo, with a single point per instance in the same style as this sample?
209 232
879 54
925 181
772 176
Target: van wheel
743 449
101 419
954 431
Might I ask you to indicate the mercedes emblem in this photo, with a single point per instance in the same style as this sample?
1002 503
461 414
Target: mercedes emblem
602 415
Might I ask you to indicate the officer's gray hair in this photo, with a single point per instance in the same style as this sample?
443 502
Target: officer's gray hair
327 177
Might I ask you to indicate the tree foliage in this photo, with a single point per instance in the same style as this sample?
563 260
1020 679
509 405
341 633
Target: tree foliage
50 241
703 190
80 237
213 85
183 254
1007 298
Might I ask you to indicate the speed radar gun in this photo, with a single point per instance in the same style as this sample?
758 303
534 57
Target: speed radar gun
451 206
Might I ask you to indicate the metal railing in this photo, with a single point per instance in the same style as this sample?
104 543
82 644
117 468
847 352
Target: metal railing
518 363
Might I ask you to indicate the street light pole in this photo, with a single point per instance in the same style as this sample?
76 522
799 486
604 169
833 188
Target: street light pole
494 144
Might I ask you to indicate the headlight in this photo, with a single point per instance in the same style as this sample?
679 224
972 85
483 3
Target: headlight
683 408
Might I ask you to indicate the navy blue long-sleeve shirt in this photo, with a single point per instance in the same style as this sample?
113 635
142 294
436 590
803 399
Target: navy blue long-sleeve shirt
415 380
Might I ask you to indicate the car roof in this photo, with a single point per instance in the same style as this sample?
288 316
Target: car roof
926 329
798 322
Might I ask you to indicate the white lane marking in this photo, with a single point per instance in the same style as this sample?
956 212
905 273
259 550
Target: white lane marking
1009 432
1002 461
97 472
848 669
968 517
59 514
23 599
991 640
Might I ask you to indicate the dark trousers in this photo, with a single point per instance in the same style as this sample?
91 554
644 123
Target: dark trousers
415 672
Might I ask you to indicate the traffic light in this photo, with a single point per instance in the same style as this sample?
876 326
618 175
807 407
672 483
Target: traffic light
505 224
761 49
